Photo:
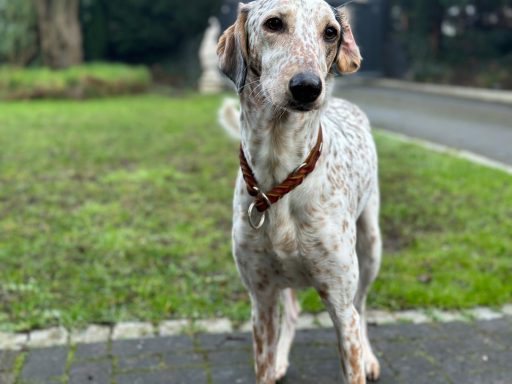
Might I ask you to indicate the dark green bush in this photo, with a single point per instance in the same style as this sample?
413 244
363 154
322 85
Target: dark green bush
18 29
476 52
141 31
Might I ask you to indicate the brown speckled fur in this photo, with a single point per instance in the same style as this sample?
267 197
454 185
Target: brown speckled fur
325 233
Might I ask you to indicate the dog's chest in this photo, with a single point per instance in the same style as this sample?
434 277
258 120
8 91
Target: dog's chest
284 235
294 234
282 258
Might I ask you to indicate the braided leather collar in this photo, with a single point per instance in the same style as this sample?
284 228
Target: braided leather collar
264 200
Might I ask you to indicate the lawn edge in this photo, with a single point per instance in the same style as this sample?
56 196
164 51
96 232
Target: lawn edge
447 150
60 336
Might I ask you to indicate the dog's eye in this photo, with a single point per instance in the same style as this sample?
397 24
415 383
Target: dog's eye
274 24
330 33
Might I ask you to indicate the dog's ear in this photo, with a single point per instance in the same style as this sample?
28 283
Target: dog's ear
233 51
349 58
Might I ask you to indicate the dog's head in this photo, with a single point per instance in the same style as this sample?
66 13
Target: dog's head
291 48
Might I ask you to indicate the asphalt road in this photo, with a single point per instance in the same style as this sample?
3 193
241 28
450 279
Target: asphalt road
479 127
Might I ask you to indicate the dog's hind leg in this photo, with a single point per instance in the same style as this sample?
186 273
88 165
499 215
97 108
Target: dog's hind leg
290 316
369 250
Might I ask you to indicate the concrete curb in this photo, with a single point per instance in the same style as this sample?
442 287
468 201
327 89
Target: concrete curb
460 153
480 94
59 336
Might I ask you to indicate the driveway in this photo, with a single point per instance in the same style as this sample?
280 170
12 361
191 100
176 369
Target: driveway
450 353
479 127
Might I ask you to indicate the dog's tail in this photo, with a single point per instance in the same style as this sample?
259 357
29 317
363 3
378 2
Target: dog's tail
229 117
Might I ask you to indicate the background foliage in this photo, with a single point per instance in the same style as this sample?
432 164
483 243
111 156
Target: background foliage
163 32
18 29
456 41
467 42
160 33
142 31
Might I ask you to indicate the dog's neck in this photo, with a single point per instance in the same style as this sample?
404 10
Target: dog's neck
275 141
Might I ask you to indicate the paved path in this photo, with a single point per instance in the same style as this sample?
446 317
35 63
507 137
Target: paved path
435 353
479 127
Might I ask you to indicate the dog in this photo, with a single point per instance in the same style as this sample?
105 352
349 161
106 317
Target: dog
306 202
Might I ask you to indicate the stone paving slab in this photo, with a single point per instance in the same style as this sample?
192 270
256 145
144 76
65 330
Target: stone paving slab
470 352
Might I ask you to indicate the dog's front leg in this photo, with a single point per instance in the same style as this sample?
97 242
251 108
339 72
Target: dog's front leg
347 325
337 292
265 317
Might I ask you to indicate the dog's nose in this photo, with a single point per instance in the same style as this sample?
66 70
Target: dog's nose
305 87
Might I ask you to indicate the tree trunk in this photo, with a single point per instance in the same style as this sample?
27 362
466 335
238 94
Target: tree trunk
59 32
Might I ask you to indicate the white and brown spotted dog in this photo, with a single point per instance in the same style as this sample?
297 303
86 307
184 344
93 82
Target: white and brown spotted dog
282 56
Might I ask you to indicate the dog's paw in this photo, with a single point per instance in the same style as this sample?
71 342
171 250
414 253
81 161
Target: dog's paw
372 368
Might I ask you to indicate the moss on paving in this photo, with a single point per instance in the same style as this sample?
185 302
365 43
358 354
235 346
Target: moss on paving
120 209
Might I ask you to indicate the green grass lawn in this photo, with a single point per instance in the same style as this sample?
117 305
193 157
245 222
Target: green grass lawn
120 209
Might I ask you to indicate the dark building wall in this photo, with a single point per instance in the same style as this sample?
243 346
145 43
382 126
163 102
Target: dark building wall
368 20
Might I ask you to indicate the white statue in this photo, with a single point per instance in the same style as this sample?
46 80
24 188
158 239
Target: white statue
211 80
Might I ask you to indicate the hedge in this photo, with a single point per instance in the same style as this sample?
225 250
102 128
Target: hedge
81 82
